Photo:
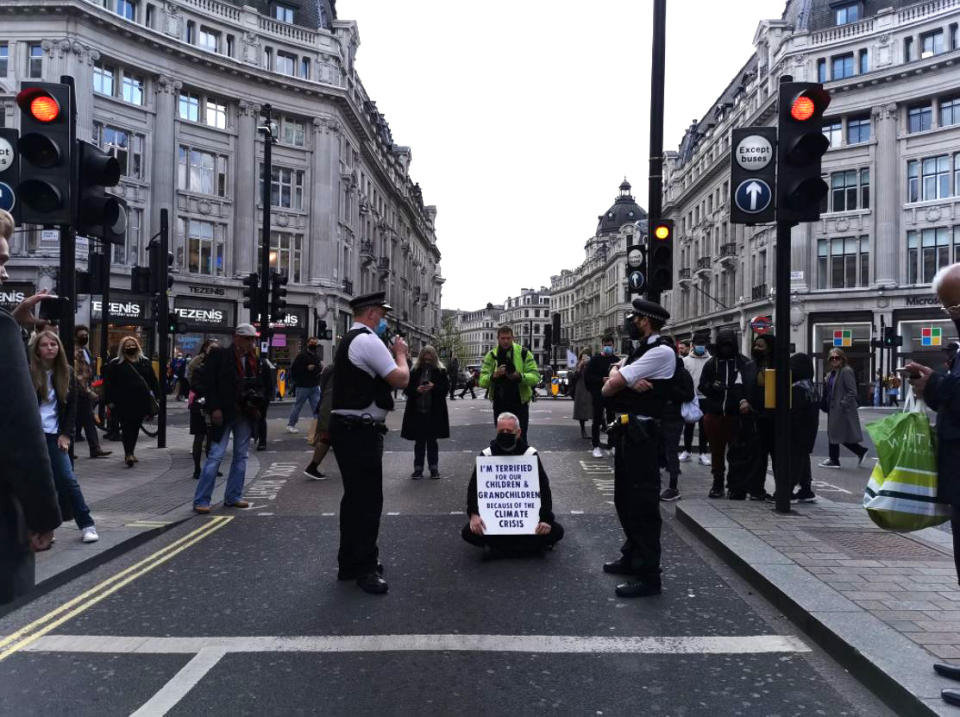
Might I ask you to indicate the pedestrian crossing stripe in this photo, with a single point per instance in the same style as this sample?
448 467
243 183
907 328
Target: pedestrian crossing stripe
842 338
147 524
931 336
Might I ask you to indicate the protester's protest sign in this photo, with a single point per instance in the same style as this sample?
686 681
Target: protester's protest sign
508 494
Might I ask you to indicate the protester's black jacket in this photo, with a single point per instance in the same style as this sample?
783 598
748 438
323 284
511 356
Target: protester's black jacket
302 376
546 497
598 368
128 386
721 391
221 382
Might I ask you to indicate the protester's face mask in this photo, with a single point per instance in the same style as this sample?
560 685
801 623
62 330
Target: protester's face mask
82 339
699 350
608 350
130 351
726 351
312 347
506 440
381 327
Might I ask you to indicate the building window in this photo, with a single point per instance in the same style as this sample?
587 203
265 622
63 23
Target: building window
858 130
928 178
192 107
283 13
103 79
286 188
189 107
209 39
931 43
127 9
850 190
204 242
215 115
919 118
953 36
834 133
4 58
305 68
132 90
950 111
286 64
292 132
35 62
842 66
822 70
908 49
928 251
201 172
843 263
864 62
286 254
846 13
129 253
126 146
148 20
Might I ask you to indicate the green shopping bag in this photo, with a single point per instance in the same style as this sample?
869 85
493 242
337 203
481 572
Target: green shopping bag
902 492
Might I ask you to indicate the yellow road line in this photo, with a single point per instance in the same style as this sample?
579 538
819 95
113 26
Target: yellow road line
147 564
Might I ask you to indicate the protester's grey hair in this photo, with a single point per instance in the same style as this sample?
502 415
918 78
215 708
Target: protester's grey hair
506 415
940 275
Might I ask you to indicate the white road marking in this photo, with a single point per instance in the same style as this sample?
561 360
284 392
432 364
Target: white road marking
181 683
327 514
576 512
214 647
265 514
393 513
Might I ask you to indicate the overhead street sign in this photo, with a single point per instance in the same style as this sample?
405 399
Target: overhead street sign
753 175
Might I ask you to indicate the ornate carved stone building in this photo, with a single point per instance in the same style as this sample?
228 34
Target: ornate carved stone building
174 89
527 314
893 168
478 333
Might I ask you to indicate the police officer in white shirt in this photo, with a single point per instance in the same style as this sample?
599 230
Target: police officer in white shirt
364 376
636 390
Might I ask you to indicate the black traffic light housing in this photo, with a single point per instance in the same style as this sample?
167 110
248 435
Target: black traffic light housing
555 333
547 338
660 258
160 279
140 280
278 292
46 146
96 170
890 337
10 176
323 332
800 147
251 292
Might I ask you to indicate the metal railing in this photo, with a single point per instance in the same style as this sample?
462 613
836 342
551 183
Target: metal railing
759 292
348 287
704 262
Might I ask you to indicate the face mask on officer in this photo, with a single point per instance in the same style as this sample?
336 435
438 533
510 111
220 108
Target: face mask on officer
506 440
381 326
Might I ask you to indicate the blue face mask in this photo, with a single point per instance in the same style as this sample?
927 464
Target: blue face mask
607 350
699 350
381 327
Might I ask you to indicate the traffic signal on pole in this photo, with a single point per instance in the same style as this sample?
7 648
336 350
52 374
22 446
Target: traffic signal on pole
636 268
660 257
323 332
160 279
140 280
800 147
9 171
96 170
547 338
890 337
251 293
555 334
278 291
45 146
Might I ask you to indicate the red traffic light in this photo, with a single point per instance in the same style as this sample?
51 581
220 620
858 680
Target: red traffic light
41 105
810 104
802 108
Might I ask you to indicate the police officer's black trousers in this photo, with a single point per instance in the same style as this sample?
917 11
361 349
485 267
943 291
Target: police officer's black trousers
359 452
636 495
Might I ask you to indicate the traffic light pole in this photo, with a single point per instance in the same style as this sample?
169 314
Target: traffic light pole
655 193
265 229
105 260
67 287
781 361
163 338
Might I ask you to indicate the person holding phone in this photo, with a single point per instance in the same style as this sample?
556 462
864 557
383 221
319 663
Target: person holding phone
425 417
131 391
509 373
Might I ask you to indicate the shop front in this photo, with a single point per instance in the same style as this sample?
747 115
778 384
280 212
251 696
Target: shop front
925 334
129 316
13 292
203 319
288 337
850 332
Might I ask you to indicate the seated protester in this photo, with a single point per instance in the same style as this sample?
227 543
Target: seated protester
509 442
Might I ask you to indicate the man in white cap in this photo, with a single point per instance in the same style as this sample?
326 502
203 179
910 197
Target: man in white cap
233 387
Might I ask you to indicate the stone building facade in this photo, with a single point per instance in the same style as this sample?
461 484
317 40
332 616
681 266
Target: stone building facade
527 314
174 89
478 333
892 214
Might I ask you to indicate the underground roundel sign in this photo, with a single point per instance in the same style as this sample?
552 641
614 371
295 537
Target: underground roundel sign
761 324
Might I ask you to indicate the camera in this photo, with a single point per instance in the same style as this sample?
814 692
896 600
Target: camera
252 402
54 309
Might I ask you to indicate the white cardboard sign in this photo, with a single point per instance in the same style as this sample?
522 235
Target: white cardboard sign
508 494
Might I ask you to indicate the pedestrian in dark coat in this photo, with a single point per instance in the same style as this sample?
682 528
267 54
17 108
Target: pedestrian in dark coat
763 348
596 374
131 390
453 372
804 424
582 399
425 418
196 401
843 416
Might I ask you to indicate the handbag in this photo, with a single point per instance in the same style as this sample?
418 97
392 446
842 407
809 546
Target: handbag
690 411
901 494
153 407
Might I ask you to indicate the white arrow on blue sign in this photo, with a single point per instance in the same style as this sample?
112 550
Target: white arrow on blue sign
8 197
753 196
635 278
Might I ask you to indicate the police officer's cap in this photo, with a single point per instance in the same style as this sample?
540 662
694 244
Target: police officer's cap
642 307
377 298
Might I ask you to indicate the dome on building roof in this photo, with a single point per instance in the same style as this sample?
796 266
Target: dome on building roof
625 210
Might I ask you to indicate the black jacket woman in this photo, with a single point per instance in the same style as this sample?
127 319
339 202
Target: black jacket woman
198 424
804 424
763 348
56 390
843 418
425 417
131 391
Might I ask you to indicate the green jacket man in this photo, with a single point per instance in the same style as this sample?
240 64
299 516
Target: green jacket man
509 373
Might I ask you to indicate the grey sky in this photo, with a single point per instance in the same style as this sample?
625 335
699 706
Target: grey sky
525 116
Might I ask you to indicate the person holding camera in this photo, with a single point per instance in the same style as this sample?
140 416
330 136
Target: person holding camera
131 392
510 372
233 389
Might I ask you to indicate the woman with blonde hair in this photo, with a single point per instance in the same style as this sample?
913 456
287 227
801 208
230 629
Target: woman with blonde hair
840 403
425 417
56 390
131 391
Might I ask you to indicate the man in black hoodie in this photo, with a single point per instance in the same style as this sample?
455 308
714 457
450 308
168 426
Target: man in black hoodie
724 401
510 442
763 416
596 374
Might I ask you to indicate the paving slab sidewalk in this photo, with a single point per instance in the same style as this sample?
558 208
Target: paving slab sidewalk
885 605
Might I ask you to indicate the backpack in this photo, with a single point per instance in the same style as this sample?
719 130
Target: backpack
682 388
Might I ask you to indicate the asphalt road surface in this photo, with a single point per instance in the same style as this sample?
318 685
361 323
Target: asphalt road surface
240 613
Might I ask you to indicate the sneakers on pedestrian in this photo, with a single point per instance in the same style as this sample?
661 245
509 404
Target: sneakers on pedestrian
434 472
862 456
293 429
803 496
684 456
311 472
670 494
89 535
417 473
598 452
716 491
705 460
829 464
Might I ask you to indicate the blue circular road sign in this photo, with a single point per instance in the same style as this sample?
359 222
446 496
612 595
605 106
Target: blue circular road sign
753 196
8 197
636 280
